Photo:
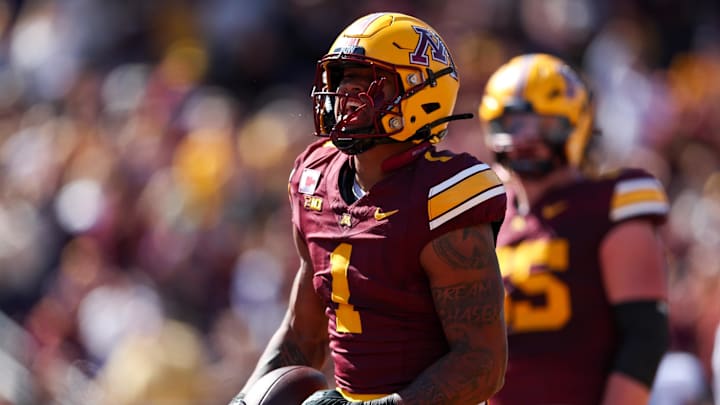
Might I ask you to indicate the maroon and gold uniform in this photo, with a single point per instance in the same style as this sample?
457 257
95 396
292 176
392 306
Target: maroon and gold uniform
556 309
382 323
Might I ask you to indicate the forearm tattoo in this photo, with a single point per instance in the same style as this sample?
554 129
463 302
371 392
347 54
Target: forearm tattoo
288 354
470 371
470 251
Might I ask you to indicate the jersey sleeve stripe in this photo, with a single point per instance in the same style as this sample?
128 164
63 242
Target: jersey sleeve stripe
459 192
480 167
452 213
625 186
638 197
634 197
639 209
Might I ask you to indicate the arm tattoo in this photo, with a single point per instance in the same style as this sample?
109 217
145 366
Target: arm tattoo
471 369
477 255
288 354
469 303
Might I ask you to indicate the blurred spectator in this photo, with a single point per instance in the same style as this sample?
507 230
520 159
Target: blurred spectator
165 366
680 380
716 366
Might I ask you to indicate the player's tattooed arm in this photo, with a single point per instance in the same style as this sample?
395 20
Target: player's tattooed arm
470 303
302 335
288 353
467 249
468 293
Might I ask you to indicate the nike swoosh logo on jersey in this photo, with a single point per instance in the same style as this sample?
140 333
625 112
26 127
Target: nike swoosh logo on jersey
379 215
553 210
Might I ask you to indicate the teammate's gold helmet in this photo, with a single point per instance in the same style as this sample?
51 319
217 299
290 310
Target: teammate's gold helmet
399 48
545 85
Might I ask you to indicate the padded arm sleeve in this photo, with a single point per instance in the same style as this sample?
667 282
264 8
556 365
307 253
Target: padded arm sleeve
644 338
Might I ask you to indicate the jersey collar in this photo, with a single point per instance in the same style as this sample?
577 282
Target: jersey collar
404 158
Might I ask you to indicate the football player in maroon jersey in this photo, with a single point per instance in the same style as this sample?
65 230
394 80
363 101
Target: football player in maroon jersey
583 266
398 275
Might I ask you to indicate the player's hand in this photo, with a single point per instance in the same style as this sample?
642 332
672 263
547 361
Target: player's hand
332 397
326 397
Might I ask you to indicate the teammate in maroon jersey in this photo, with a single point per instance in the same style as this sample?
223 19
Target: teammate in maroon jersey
398 274
582 263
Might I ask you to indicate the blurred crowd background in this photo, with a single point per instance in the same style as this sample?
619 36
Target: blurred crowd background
145 243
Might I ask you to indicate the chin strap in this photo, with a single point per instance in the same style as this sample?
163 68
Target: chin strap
425 131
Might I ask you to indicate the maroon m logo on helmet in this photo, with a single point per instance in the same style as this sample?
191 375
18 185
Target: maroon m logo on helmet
439 53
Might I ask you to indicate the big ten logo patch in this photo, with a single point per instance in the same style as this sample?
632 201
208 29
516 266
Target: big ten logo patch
313 203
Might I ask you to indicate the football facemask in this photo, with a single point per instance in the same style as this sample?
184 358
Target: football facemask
530 131
350 114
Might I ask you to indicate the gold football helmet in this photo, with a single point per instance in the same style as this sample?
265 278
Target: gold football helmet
544 85
403 53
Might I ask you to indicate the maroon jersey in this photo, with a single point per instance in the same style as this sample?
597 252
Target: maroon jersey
382 323
561 333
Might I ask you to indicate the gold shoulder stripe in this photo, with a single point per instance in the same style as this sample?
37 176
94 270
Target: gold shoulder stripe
461 192
637 197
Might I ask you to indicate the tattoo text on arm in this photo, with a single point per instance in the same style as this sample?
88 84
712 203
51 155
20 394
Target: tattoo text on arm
471 303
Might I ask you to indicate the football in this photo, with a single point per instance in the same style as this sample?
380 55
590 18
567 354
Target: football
286 386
